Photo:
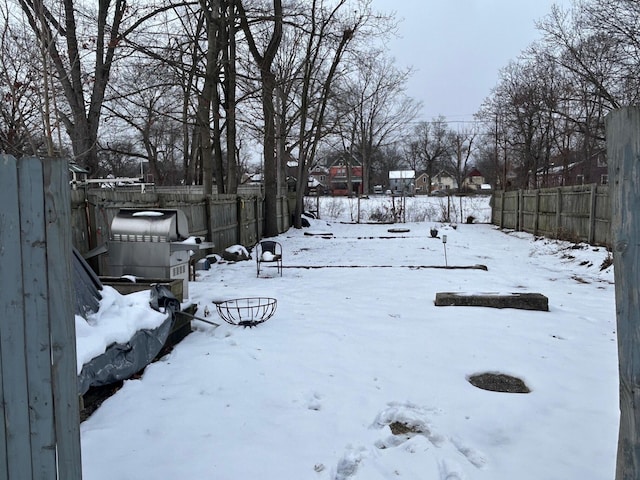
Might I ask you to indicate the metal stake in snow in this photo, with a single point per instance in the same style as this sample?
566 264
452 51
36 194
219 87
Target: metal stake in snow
444 244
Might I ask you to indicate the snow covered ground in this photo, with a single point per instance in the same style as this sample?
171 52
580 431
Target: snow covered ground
357 344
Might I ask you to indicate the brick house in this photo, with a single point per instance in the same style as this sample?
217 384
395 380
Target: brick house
339 181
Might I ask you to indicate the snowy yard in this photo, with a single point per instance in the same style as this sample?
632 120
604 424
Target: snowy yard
357 345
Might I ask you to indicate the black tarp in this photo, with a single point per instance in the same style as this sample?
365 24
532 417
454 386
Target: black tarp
121 360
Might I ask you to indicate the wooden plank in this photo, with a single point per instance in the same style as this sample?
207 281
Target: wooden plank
62 318
558 211
36 315
8 223
536 221
522 301
623 152
4 473
16 458
520 211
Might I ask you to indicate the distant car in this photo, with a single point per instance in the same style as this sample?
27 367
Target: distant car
439 193
388 192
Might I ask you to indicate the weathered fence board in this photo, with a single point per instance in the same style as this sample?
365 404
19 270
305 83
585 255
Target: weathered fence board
62 318
623 152
578 213
4 461
37 339
39 400
223 223
15 400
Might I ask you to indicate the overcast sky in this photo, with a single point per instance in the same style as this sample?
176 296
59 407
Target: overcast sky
457 47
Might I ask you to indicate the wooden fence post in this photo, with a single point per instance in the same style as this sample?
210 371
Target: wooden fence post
520 211
592 214
39 411
623 153
536 220
559 212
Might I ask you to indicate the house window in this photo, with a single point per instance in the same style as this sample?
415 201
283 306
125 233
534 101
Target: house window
604 179
579 179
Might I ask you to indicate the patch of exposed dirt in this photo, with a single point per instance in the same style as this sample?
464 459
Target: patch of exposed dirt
399 428
498 382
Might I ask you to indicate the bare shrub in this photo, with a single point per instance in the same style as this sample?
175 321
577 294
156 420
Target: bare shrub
333 207
607 262
422 213
382 214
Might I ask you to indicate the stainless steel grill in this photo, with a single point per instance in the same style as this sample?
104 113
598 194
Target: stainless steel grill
148 243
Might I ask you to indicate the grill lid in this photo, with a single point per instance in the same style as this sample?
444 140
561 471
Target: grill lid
149 225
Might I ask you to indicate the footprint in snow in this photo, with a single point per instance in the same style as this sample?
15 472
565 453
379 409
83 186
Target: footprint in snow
475 457
450 471
314 401
406 420
348 464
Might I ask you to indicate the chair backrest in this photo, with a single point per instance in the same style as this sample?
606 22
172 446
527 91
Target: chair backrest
269 246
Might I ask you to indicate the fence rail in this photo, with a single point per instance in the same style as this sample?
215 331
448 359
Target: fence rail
578 213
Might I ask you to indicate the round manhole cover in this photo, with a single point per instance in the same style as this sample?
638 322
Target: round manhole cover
498 382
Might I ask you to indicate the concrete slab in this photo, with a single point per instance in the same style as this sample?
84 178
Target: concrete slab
523 301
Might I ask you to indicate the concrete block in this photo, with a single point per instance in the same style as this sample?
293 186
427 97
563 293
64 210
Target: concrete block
523 301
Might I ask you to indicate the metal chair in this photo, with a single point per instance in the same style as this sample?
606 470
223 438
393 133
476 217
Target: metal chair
269 251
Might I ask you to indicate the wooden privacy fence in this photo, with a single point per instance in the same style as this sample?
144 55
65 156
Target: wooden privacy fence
579 213
224 220
39 411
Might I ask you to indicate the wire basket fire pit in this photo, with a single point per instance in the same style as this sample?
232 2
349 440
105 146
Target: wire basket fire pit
247 312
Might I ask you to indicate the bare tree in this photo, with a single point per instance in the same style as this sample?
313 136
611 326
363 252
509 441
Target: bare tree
429 146
62 37
145 116
330 29
372 109
461 148
22 130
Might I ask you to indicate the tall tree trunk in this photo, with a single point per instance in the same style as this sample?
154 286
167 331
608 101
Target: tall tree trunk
270 161
208 96
264 61
230 96
189 135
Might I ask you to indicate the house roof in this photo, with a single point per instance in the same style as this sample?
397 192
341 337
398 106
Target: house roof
402 174
353 162
75 168
313 182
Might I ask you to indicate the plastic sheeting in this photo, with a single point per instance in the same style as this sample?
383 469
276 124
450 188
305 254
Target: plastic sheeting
123 360
87 286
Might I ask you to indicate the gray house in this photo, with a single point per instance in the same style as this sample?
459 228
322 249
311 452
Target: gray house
402 182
